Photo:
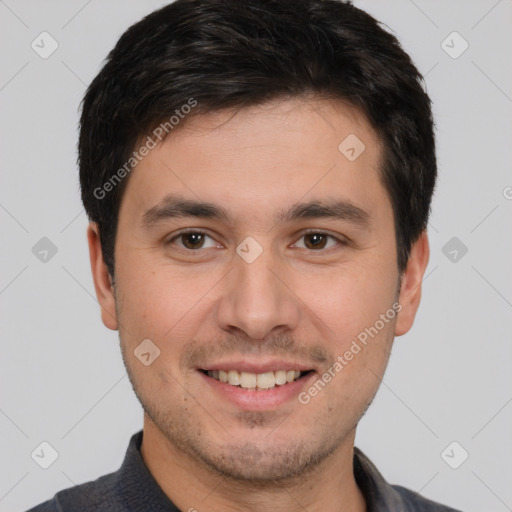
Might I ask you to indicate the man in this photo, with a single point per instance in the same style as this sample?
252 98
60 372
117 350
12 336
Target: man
258 176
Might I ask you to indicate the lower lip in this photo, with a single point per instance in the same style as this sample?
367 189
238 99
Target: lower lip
264 400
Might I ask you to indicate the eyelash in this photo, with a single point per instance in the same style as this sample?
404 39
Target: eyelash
340 241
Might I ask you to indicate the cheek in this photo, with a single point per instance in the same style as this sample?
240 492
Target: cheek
159 305
348 300
358 366
347 307
139 299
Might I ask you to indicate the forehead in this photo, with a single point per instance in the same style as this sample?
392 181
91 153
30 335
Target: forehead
259 158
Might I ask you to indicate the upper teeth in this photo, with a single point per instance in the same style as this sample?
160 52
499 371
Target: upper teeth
248 380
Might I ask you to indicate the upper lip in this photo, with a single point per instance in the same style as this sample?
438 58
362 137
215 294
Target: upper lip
254 367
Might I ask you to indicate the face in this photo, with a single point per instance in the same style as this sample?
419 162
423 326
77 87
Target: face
251 249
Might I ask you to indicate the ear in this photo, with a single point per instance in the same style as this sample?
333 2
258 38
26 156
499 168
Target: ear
102 281
412 277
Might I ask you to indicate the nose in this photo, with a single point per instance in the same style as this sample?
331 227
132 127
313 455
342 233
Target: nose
257 300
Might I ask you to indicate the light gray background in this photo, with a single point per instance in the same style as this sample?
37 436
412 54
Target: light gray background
449 379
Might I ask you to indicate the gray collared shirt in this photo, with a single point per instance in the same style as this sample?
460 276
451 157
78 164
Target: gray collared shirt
133 489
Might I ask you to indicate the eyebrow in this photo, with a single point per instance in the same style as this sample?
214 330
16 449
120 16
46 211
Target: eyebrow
177 207
331 209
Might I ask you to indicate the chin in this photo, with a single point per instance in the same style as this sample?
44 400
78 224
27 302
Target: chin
266 465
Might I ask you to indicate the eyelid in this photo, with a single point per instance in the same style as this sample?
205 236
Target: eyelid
342 240
184 231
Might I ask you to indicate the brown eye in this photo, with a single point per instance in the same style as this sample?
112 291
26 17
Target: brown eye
315 240
192 240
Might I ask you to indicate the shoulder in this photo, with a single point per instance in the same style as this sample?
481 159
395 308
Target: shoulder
107 493
380 495
92 496
417 503
47 506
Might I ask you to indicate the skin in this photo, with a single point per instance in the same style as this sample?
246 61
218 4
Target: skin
297 302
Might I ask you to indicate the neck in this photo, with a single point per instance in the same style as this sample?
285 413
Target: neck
192 486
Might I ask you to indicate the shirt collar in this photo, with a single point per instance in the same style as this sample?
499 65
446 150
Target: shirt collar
135 486
379 495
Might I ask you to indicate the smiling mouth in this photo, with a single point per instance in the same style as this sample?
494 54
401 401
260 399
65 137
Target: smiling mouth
256 381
